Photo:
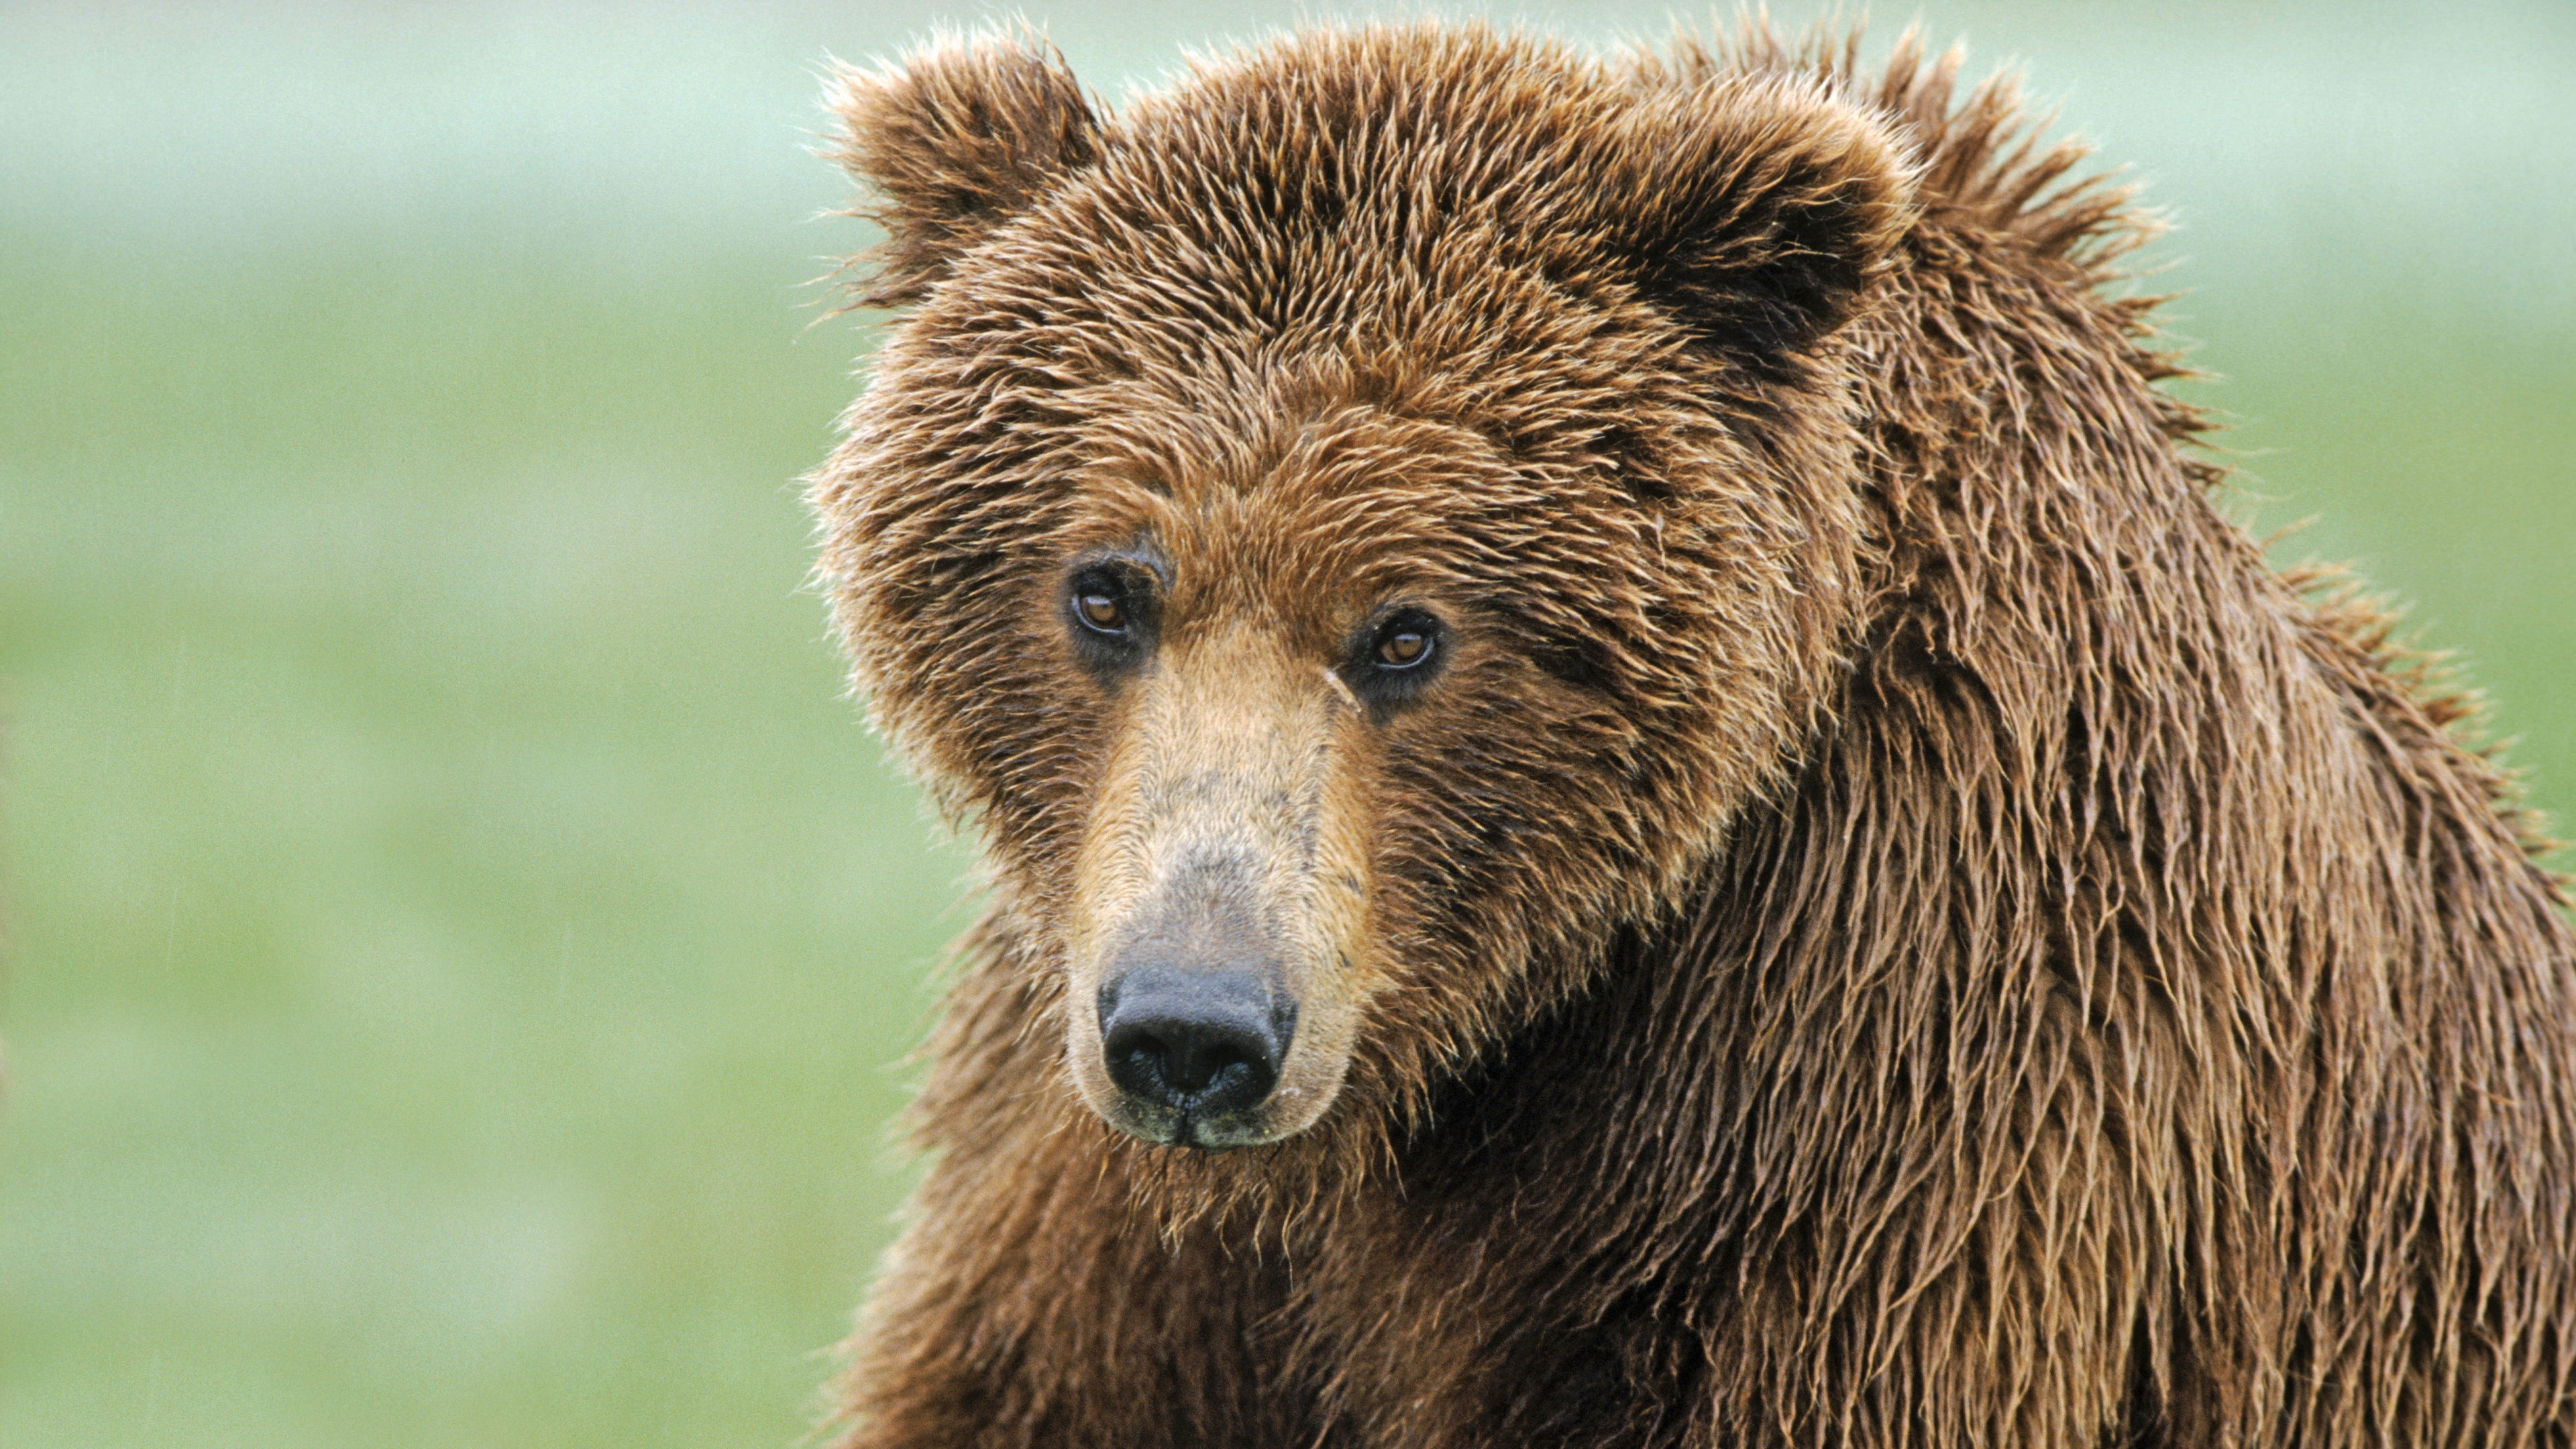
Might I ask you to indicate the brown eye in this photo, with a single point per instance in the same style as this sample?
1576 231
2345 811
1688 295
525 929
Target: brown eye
1394 659
1110 614
1101 611
1403 648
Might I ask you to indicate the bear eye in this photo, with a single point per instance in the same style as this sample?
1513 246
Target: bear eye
1099 600
1111 613
1101 611
1403 645
1394 659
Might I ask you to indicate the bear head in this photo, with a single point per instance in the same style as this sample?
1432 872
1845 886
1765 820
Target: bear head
1352 530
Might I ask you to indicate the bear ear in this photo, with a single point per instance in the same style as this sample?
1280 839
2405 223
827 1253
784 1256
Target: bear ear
1759 209
954 140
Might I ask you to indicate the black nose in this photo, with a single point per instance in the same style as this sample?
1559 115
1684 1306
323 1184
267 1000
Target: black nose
1203 1043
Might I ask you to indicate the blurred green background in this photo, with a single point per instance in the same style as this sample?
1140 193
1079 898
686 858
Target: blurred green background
461 942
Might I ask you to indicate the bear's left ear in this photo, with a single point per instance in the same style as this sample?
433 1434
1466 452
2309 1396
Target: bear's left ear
1759 208
955 140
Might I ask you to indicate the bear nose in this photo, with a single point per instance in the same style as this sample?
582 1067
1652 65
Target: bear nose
1201 1043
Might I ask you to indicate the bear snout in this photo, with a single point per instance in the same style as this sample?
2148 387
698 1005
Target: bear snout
1195 1050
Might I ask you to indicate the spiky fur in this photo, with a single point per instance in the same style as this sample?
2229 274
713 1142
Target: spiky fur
1946 948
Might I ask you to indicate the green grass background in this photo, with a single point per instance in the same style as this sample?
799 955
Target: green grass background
460 941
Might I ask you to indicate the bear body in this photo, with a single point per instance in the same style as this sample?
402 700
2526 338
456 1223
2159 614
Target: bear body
1635 797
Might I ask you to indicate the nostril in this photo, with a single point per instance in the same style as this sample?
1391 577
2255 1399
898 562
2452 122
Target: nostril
1197 1044
1139 1063
1215 1062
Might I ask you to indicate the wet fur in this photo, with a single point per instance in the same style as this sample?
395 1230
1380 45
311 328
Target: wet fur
2082 989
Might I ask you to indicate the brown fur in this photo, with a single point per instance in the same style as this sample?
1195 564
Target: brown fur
1892 925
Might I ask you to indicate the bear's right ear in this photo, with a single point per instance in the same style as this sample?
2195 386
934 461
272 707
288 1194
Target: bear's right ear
954 140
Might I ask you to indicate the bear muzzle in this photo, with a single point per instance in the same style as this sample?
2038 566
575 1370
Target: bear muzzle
1218 941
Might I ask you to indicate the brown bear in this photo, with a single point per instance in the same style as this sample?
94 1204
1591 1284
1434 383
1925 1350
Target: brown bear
1635 796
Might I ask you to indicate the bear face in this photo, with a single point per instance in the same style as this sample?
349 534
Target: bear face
1348 574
